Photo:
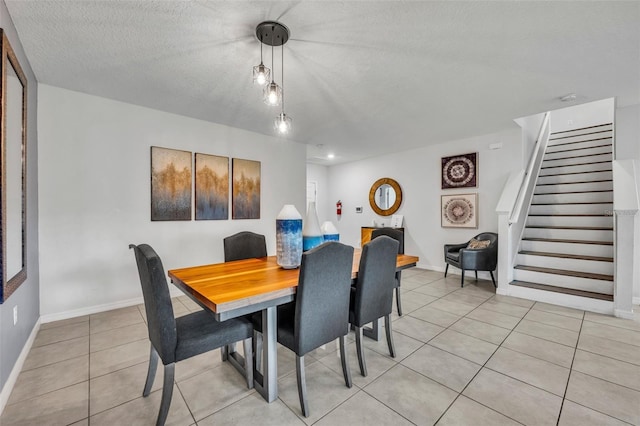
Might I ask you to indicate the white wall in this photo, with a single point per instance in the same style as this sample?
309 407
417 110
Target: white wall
583 115
418 173
530 131
325 207
95 195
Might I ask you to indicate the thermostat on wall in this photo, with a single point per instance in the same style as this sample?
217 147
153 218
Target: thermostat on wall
358 209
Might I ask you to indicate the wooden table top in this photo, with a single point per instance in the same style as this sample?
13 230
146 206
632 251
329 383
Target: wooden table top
227 286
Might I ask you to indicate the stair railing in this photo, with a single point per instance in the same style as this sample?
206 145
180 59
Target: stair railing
513 207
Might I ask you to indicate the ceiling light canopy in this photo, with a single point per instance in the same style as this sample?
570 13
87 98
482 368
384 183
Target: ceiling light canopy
273 34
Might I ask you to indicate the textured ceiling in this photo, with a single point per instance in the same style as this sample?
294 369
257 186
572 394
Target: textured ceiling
361 78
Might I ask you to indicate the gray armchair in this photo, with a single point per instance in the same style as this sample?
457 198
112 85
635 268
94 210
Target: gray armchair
482 259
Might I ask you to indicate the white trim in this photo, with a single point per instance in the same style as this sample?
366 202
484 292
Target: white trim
173 291
17 367
568 300
623 314
482 275
636 301
430 267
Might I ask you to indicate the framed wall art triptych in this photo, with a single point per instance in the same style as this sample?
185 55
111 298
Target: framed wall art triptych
171 189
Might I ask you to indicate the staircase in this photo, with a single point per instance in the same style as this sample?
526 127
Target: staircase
567 244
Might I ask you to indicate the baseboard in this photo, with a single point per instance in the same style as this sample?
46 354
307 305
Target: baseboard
623 314
17 367
58 316
430 267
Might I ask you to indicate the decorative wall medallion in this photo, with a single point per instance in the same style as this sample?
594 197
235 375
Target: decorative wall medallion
460 171
459 211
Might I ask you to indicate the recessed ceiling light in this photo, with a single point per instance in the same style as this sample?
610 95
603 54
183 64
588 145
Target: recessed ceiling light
330 156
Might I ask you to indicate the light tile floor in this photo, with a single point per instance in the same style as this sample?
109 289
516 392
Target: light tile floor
464 357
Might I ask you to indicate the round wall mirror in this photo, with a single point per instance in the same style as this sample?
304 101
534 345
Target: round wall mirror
385 196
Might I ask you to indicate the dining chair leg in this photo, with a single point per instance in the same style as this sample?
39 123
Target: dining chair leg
476 275
167 393
360 350
302 385
462 278
346 371
387 326
398 302
248 361
151 372
493 279
446 268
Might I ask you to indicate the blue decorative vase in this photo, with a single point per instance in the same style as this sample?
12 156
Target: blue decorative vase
330 232
311 232
289 237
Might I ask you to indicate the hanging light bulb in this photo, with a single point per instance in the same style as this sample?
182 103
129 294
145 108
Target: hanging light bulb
282 123
261 73
272 93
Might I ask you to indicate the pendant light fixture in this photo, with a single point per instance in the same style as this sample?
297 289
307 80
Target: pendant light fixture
272 33
261 73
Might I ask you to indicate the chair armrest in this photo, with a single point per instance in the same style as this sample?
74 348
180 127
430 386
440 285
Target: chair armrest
454 247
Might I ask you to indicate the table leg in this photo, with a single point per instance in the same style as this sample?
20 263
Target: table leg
374 331
269 386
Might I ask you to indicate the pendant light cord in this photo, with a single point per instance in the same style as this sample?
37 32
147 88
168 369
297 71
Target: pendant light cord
282 65
273 75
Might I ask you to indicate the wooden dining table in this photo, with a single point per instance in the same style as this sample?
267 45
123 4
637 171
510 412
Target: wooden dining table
233 289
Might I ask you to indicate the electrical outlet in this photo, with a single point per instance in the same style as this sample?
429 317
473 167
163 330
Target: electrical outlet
358 209
15 315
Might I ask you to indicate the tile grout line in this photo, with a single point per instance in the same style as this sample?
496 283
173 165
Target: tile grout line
175 383
566 388
89 376
363 389
481 368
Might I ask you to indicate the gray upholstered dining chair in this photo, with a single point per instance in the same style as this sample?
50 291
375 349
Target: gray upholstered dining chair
176 339
372 294
478 254
398 236
244 245
320 312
